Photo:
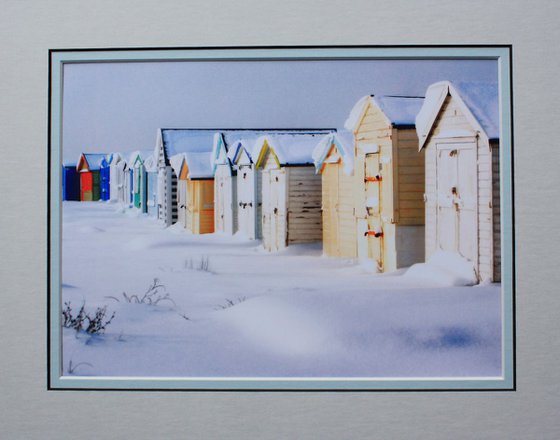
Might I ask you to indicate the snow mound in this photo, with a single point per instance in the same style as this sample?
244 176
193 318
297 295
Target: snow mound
278 326
445 269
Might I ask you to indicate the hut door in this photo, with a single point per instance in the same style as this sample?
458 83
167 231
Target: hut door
191 200
267 210
456 200
374 233
279 208
226 200
182 202
244 184
86 184
220 203
330 210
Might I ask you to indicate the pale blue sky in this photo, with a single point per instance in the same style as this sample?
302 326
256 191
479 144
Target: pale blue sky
119 106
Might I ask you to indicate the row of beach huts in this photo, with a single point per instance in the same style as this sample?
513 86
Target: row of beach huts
407 176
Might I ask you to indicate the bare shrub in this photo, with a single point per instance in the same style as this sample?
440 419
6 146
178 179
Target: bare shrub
231 302
153 296
92 324
203 264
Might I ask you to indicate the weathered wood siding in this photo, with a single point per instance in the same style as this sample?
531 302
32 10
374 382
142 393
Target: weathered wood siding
409 188
303 205
339 223
496 213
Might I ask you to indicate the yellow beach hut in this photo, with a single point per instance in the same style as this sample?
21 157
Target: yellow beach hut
334 161
389 181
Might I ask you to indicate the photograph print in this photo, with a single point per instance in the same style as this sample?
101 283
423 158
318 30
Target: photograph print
281 219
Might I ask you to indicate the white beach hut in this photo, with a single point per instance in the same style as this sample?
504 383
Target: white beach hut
458 129
225 187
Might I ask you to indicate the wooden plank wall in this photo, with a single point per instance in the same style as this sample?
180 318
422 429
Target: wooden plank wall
410 169
496 213
346 219
304 205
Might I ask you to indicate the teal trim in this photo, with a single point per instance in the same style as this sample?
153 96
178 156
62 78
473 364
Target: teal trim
500 53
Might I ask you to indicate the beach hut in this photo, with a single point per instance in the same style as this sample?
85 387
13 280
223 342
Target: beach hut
249 188
70 182
138 173
88 167
114 162
458 130
334 161
389 176
119 185
150 167
105 175
291 191
195 191
225 187
171 142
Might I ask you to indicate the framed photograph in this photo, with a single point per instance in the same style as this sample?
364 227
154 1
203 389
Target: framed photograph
281 218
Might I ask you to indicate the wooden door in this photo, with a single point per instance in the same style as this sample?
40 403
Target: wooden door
219 200
182 202
190 205
278 223
331 235
373 201
456 208
86 184
266 209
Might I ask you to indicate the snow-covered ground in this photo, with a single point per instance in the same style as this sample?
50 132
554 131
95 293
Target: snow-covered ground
255 314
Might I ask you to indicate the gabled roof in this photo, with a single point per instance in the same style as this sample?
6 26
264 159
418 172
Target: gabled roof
289 149
399 111
139 156
90 161
111 158
343 141
198 164
478 100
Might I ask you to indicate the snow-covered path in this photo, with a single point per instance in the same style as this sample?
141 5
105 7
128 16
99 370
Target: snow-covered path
255 314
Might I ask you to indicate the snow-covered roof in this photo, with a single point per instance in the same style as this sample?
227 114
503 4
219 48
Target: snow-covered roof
150 163
177 141
111 158
90 161
290 149
400 111
344 142
199 165
480 102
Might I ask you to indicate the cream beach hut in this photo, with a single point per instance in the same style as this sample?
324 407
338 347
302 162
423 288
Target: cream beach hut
225 187
291 190
389 179
334 161
458 130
